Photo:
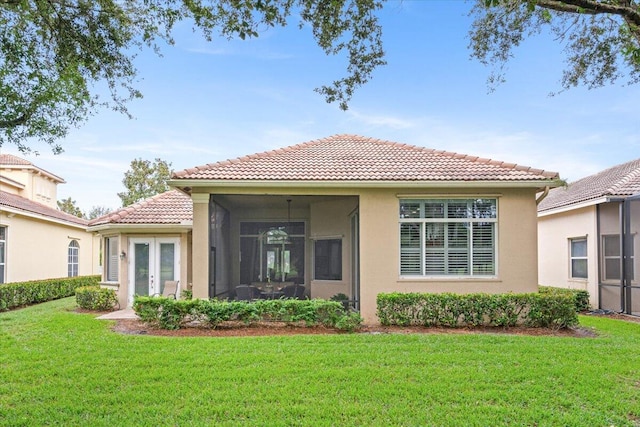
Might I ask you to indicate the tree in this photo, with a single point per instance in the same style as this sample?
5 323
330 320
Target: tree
145 179
98 211
69 206
55 53
601 37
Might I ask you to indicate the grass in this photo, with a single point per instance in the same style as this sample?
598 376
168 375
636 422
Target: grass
58 367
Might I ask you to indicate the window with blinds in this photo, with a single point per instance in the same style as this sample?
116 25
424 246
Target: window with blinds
112 254
448 237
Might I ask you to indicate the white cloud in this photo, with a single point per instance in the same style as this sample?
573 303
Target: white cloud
381 120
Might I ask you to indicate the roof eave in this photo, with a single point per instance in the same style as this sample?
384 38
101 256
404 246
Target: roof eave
165 228
34 215
202 183
580 205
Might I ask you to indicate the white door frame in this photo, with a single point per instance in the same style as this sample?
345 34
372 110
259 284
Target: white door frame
154 262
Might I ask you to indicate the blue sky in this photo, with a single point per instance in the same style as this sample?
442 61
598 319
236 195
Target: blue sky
206 102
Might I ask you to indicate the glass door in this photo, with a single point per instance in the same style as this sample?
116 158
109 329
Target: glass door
154 261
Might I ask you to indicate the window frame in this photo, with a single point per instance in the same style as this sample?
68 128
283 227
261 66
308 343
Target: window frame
448 226
340 266
73 258
617 257
573 257
112 260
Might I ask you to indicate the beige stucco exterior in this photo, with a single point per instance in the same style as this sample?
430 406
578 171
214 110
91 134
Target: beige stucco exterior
379 250
125 237
38 248
554 235
37 241
555 230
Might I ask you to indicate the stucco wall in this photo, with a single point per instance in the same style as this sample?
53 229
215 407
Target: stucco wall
39 249
379 240
379 248
554 232
332 219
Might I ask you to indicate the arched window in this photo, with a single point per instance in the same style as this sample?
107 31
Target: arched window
74 249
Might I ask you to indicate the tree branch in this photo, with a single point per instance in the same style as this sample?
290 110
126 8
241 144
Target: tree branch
628 11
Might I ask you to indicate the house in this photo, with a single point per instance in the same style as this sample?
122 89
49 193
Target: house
146 244
588 237
37 241
344 214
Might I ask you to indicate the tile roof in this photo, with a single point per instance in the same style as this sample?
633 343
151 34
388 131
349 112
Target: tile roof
10 159
618 181
26 205
170 207
357 158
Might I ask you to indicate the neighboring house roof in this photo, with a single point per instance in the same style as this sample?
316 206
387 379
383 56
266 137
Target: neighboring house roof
616 182
352 158
15 203
9 161
170 208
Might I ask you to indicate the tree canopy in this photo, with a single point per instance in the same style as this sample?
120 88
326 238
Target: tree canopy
145 179
69 206
55 53
601 38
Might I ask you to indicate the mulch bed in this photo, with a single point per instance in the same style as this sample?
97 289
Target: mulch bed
233 329
238 329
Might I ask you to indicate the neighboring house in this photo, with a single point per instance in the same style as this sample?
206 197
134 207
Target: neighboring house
588 237
37 241
146 244
347 214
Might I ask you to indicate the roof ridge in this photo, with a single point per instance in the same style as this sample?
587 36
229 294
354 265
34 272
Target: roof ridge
631 175
125 211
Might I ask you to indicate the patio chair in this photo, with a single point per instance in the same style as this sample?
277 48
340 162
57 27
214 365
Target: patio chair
170 289
247 293
293 291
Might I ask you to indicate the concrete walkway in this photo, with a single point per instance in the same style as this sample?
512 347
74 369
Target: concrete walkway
127 313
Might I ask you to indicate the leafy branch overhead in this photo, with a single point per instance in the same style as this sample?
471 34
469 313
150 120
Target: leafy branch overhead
601 38
54 53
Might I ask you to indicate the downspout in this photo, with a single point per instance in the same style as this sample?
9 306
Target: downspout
544 194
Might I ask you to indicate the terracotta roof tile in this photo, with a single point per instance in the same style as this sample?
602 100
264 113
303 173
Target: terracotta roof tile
23 204
618 181
10 159
356 158
170 207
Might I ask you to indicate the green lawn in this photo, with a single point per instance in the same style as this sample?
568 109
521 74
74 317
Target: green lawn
58 367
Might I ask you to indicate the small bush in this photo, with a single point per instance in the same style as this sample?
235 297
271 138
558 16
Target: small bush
96 298
581 298
21 294
168 313
454 310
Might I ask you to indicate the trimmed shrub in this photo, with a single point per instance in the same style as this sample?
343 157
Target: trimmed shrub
20 294
455 310
581 298
96 298
168 313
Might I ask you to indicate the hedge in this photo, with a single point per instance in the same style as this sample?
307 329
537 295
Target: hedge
168 313
581 298
96 298
454 310
20 294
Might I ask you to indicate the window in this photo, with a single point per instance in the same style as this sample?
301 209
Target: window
111 264
272 251
72 259
611 260
578 251
328 259
3 253
448 237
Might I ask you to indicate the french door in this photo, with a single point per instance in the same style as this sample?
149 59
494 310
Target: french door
153 262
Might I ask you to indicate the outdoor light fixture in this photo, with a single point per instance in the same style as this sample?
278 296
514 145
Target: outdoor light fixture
123 255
